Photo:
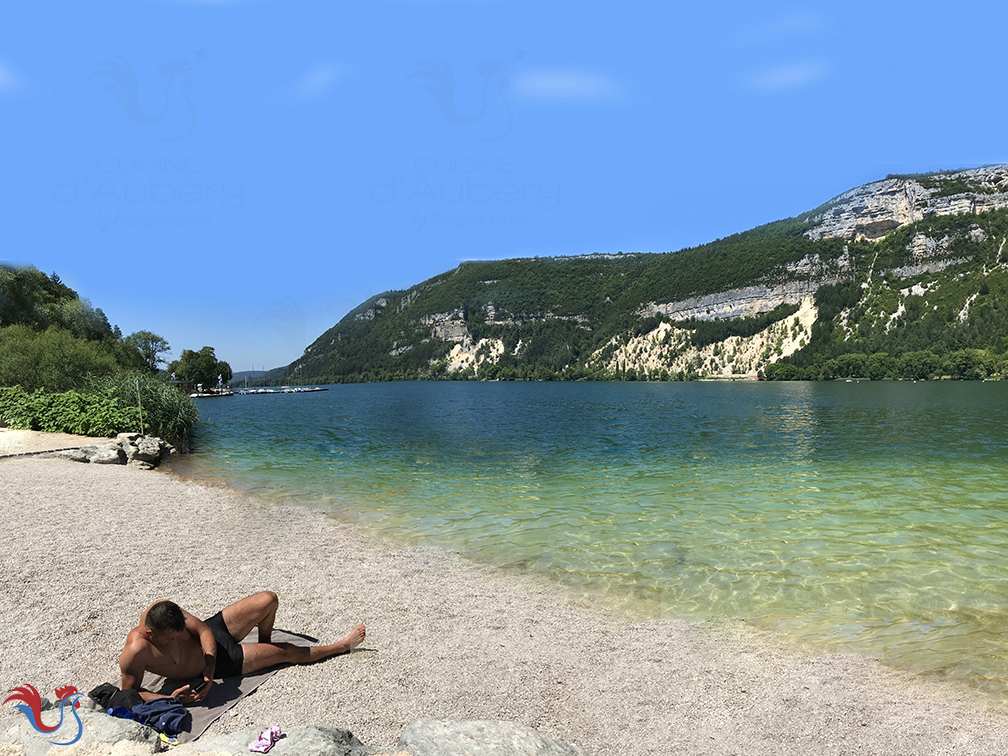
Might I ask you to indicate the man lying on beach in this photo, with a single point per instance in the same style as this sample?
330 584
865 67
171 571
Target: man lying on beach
171 642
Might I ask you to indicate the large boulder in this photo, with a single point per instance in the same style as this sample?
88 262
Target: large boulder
142 452
149 449
446 737
104 454
75 455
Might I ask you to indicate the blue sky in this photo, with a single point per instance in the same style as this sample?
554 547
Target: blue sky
242 174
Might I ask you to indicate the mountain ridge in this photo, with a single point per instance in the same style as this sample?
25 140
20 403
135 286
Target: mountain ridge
902 265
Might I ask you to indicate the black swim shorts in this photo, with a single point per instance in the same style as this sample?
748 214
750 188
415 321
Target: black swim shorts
229 651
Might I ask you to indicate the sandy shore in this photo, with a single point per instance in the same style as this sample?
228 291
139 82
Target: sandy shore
14 442
85 548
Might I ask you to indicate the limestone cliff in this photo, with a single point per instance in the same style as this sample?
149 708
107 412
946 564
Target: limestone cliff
872 210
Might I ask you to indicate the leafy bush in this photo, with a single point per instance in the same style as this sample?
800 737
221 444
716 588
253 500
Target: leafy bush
16 409
67 412
167 412
107 407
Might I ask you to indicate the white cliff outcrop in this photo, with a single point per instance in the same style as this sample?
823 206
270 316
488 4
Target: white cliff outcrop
668 348
872 210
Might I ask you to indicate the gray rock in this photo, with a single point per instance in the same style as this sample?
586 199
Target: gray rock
76 455
99 727
425 737
445 737
149 449
127 438
96 727
105 454
139 464
303 740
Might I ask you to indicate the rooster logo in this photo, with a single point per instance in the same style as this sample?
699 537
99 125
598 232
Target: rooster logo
440 84
31 706
125 87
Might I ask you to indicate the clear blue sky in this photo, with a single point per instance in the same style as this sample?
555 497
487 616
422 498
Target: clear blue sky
242 174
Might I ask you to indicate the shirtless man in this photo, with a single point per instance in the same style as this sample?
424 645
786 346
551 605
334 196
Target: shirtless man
171 642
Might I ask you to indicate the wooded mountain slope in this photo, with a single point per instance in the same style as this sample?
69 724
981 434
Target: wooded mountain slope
902 278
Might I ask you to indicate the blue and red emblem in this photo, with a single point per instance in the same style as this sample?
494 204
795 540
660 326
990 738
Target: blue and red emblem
31 707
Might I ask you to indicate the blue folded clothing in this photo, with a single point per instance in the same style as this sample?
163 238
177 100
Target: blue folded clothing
121 712
165 715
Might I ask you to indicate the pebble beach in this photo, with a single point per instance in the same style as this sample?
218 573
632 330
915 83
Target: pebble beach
86 548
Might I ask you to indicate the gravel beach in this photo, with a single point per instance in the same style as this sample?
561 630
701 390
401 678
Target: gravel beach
85 548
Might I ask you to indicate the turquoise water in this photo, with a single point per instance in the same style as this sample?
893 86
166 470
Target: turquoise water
863 517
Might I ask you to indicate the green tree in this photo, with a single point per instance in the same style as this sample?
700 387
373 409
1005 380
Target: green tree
968 364
150 346
200 367
917 366
52 359
880 365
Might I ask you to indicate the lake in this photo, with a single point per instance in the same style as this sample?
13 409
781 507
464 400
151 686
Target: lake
865 517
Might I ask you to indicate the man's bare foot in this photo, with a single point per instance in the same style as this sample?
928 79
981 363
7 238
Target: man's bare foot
354 639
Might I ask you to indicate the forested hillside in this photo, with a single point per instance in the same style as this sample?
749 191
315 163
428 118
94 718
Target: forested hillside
904 278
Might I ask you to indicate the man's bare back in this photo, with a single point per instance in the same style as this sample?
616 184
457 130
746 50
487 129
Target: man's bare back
171 642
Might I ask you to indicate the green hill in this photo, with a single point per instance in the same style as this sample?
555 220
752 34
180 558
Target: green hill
901 278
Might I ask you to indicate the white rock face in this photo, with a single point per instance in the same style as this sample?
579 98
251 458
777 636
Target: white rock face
931 255
448 326
872 210
735 303
668 348
451 327
485 350
809 273
373 312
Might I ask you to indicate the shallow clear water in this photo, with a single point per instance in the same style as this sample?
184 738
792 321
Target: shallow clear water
864 516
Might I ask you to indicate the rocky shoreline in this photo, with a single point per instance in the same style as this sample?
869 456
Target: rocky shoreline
101 734
133 449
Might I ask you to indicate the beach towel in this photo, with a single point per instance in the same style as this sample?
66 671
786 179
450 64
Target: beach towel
224 693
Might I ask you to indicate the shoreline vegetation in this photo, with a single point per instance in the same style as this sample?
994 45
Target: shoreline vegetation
65 369
447 637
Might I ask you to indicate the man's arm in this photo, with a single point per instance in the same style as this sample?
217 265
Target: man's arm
209 645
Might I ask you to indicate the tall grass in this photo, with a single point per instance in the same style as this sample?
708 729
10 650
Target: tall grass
167 412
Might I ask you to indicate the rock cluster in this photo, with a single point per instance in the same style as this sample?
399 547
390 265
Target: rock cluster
102 734
133 449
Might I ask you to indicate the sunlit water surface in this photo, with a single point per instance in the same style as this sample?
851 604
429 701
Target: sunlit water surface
862 517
